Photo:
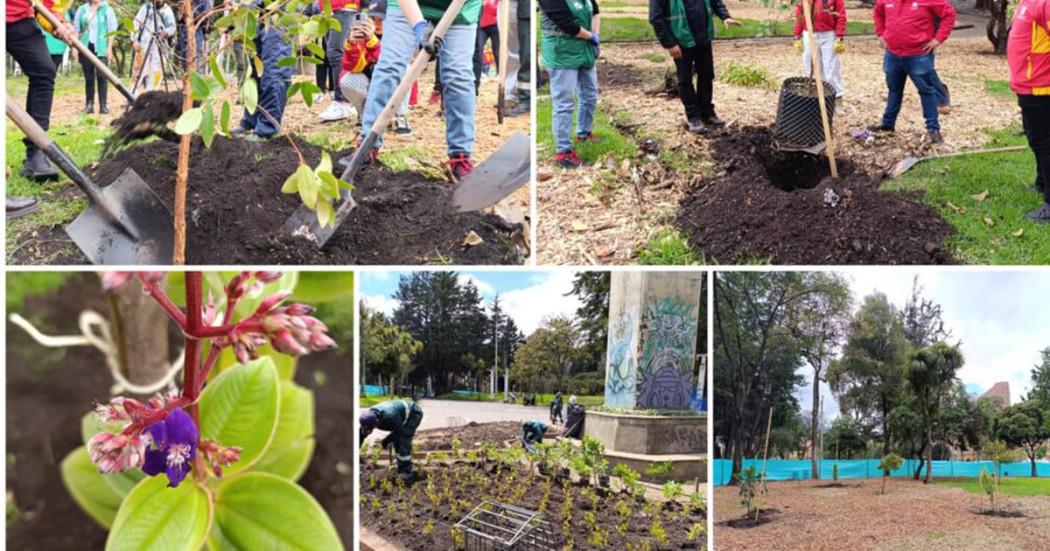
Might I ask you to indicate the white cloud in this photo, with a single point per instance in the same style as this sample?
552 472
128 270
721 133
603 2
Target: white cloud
545 298
483 287
384 304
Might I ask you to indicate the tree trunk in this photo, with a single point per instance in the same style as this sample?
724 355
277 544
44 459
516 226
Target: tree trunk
738 462
1032 457
884 483
814 429
140 333
929 453
998 29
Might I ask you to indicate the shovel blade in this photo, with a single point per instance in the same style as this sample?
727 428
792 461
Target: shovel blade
904 165
497 177
130 227
303 222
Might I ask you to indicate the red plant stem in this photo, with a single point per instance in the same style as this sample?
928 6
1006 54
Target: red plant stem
194 322
169 307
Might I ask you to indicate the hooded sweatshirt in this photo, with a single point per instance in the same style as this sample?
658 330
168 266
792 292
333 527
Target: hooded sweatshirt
908 25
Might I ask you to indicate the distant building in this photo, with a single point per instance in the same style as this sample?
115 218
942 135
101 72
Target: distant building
999 394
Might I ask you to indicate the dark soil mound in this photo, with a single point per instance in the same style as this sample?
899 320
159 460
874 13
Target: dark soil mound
1000 513
765 516
836 485
776 207
472 435
150 111
236 210
616 75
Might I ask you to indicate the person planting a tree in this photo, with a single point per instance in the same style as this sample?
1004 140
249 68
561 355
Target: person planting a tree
829 28
570 48
1029 63
407 28
532 433
686 28
401 418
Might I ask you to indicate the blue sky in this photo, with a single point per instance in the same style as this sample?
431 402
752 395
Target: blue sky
1002 319
527 296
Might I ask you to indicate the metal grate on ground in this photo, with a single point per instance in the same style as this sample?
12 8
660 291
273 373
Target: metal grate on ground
498 526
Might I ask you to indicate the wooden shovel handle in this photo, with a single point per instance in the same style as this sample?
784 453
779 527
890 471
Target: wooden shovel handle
814 57
504 37
27 125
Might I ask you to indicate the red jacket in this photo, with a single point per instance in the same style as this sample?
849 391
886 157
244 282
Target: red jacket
489 13
358 55
907 25
1028 48
828 15
337 5
18 10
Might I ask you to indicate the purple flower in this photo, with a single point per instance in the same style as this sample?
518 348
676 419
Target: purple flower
172 447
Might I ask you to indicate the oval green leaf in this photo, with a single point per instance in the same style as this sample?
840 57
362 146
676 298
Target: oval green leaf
293 444
208 125
97 498
155 517
249 95
189 121
265 511
239 408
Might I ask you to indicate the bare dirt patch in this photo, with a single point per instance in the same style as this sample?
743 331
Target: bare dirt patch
472 435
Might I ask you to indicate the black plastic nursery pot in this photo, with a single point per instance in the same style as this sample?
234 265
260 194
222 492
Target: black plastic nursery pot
798 124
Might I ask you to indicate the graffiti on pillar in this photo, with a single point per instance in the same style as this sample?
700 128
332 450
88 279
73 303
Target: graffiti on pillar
666 366
620 376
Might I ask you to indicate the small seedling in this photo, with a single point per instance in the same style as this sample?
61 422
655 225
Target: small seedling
889 464
990 485
749 479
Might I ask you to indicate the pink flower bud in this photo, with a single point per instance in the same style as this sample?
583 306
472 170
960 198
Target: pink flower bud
116 452
241 351
268 277
284 342
271 301
320 341
151 277
112 281
299 309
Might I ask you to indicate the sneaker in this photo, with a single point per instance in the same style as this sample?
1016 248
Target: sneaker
713 120
696 126
568 160
337 111
435 98
18 207
589 137
1041 216
401 126
935 136
459 165
882 128
522 108
38 168
319 97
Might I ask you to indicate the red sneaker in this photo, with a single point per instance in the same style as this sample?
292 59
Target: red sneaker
568 160
587 138
459 165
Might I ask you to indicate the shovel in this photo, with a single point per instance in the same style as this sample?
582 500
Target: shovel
125 223
906 164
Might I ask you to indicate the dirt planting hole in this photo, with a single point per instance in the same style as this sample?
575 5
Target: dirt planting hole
789 171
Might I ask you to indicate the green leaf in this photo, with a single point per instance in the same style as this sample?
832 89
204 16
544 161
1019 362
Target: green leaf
304 179
251 26
315 48
199 85
313 60
249 95
190 121
224 118
89 490
317 287
291 185
293 444
287 61
265 511
208 124
325 213
239 408
156 517
258 65
217 72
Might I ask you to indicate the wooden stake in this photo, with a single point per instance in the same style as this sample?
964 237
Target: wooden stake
814 57
504 39
765 452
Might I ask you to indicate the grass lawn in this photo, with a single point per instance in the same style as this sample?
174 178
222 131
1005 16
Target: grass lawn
985 197
1011 486
1000 88
610 141
630 29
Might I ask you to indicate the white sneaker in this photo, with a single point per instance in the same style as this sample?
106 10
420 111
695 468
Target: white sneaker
337 111
319 97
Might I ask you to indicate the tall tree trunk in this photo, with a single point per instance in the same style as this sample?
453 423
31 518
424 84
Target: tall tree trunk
738 458
814 428
1034 470
140 333
929 453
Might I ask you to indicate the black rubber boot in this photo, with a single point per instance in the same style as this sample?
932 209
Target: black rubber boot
38 167
1041 216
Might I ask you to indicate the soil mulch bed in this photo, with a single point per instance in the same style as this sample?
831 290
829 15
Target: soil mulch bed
774 207
764 516
235 211
613 75
63 383
910 515
402 515
472 435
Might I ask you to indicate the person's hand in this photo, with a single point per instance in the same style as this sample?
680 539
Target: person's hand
798 45
64 32
595 39
840 46
423 32
730 22
675 51
930 46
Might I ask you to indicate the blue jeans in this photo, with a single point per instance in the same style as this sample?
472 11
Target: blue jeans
898 70
273 84
566 86
457 78
943 97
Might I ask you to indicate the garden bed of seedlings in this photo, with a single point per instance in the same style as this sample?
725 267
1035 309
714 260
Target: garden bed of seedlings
783 208
64 382
422 514
472 435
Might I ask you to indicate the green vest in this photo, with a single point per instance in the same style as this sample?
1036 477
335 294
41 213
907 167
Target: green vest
680 25
434 9
101 40
561 51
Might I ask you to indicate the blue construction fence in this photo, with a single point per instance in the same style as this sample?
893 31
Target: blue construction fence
800 469
375 390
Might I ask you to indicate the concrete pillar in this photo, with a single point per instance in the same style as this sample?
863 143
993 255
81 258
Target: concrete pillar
653 322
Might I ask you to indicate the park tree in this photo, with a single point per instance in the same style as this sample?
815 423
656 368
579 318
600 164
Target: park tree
592 289
905 424
1026 425
998 452
923 319
890 462
756 356
789 432
387 351
868 379
1041 379
931 375
845 438
820 322
547 357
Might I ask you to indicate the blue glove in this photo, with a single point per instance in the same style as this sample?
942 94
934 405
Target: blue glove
597 51
423 32
595 39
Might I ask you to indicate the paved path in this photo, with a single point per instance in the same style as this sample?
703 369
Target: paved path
452 413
